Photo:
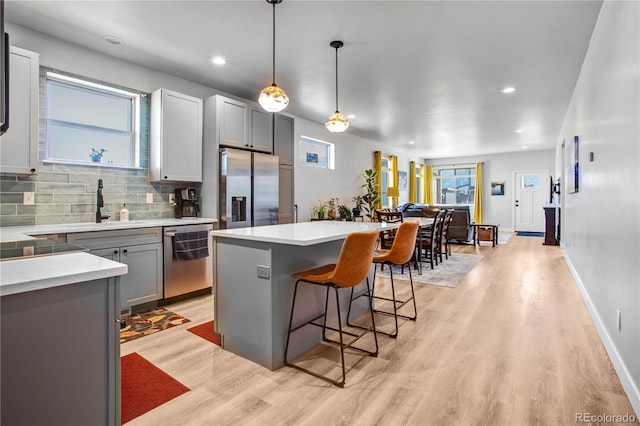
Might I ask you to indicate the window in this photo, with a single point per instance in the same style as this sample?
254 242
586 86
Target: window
386 180
454 184
419 189
91 123
316 153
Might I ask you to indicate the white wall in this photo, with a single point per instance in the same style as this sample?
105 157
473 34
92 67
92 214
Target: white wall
501 167
601 231
353 155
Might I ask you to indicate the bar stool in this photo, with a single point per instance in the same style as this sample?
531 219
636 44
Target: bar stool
401 253
352 267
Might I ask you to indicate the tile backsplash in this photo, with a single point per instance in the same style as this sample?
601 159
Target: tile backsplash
67 193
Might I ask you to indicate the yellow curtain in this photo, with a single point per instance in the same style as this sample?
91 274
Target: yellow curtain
477 199
412 182
428 185
393 165
377 164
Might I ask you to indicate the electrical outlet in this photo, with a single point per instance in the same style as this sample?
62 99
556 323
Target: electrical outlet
28 198
264 272
172 198
149 197
619 320
27 251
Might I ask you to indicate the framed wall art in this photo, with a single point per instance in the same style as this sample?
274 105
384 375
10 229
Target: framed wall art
497 188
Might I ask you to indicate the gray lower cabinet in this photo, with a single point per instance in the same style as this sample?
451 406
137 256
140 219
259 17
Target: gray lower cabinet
61 355
143 283
140 249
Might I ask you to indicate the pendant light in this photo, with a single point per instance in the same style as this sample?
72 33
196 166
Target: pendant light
337 122
272 98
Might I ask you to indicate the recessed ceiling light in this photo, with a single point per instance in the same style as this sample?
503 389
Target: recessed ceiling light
219 60
520 131
524 147
508 90
412 142
113 39
351 116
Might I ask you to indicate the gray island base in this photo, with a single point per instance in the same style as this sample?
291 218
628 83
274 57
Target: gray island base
254 288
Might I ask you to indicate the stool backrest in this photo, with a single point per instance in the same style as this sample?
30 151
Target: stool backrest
354 262
404 243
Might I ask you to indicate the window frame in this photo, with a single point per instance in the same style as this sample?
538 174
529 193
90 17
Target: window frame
437 182
90 86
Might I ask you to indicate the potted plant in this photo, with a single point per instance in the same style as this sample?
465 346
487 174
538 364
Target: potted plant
344 212
96 156
320 209
359 201
331 208
372 197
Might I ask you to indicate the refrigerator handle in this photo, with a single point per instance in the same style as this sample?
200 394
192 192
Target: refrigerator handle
295 213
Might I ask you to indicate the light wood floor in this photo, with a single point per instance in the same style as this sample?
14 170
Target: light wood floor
512 344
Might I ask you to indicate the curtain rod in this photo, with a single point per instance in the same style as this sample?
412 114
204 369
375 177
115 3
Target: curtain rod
454 165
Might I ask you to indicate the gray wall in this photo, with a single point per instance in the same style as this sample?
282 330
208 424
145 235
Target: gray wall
601 232
501 167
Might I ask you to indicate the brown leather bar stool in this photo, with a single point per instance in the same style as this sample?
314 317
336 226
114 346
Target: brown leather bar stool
352 268
401 253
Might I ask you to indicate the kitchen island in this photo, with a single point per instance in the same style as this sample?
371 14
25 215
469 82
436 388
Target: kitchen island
254 288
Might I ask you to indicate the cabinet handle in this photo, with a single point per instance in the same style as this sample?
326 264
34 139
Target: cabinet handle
115 252
33 170
124 251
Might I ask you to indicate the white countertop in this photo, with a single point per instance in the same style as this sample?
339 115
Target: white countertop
16 233
34 273
308 233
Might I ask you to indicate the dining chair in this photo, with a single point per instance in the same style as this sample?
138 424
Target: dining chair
352 268
445 234
429 241
400 254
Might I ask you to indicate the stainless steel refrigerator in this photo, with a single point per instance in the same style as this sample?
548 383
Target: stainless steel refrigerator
248 189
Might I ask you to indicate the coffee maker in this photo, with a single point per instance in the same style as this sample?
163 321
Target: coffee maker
186 203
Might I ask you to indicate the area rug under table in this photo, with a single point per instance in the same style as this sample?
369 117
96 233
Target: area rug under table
144 387
149 322
446 274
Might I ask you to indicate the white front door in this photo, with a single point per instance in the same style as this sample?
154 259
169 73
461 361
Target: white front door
531 195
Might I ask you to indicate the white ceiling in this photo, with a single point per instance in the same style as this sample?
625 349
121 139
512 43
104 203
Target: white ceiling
427 71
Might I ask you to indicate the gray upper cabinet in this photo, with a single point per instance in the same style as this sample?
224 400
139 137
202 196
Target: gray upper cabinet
239 124
233 124
261 130
283 139
19 145
176 137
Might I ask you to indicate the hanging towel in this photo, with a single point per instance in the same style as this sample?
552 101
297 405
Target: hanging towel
191 245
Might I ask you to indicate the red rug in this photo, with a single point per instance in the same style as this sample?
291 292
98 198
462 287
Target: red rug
144 387
207 332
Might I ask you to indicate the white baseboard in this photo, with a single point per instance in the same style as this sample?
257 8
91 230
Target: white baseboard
633 393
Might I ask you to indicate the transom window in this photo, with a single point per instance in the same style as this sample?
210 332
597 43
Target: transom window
454 184
91 123
317 153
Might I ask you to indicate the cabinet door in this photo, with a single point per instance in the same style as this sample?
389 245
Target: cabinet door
261 131
143 282
19 145
233 126
286 213
176 137
283 139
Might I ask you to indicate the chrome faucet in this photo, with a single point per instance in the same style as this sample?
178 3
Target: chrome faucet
100 203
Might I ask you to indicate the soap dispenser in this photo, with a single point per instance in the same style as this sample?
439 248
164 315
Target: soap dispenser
124 213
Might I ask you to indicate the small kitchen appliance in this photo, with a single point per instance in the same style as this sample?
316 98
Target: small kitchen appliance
186 202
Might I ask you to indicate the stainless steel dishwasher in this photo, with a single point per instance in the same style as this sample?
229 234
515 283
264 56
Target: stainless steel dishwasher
185 276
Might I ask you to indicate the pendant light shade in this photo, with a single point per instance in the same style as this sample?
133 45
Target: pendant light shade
337 122
272 98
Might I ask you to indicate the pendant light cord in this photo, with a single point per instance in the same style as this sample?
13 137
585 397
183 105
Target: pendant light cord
336 79
273 61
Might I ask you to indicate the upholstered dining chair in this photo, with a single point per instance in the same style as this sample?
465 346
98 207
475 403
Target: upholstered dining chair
352 268
387 236
401 253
